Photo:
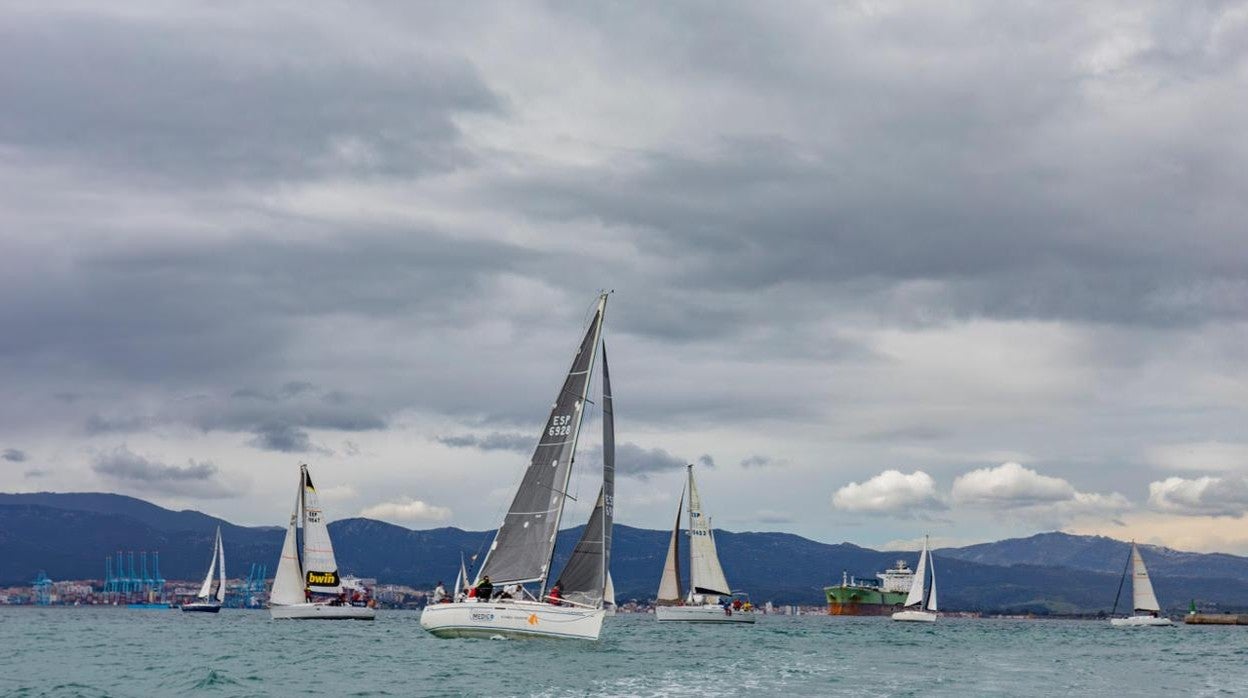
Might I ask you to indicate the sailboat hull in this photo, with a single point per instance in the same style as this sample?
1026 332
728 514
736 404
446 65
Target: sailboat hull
512 620
709 613
915 616
201 607
1140 622
321 611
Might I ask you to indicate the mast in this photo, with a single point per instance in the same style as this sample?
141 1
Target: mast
689 488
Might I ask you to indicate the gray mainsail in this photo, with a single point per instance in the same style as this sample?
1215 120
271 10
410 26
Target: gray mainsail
525 542
584 578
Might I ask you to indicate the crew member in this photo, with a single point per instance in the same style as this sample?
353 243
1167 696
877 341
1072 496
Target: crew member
485 588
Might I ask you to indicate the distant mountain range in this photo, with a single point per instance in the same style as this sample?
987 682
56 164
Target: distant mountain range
69 535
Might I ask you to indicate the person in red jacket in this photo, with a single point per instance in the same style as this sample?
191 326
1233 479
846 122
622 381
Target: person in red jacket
556 594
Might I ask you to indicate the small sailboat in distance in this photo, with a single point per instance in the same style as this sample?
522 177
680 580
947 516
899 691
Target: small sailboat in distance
1146 611
608 596
307 586
207 600
524 544
920 607
707 584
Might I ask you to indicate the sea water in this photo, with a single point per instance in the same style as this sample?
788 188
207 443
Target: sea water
95 651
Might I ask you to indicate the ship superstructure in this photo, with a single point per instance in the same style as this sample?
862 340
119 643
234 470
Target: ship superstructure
863 597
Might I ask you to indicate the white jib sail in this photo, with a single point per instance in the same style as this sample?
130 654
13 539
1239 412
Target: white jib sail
916 587
669 584
931 598
705 574
320 569
205 590
1141 586
461 578
220 567
609 595
288 581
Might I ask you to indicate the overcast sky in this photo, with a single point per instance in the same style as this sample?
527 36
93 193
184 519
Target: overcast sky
885 269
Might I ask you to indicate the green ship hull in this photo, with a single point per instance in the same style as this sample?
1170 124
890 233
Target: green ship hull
849 600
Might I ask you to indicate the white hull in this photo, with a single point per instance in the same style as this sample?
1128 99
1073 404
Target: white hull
709 613
312 611
511 619
915 616
1140 622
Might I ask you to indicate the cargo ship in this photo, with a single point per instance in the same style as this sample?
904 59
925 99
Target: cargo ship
862 597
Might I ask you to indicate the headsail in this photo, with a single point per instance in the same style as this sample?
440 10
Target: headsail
1141 587
584 578
320 570
669 585
522 548
221 567
461 579
608 597
706 576
915 597
288 584
205 590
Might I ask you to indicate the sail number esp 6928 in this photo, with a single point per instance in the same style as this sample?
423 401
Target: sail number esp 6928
560 425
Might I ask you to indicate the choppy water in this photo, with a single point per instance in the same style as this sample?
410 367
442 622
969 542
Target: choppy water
122 652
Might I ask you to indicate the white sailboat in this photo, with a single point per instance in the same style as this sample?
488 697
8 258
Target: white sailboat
1146 612
921 607
707 584
307 586
208 600
524 545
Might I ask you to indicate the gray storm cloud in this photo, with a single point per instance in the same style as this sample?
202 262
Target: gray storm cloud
853 234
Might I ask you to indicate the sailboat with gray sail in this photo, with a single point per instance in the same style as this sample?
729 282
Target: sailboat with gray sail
523 548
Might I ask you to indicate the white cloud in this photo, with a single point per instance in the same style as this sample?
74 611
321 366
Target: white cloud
1202 496
1049 502
1010 484
406 509
889 492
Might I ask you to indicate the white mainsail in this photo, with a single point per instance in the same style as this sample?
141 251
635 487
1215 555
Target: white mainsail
1141 587
931 597
920 577
288 582
221 567
705 574
320 570
669 584
205 590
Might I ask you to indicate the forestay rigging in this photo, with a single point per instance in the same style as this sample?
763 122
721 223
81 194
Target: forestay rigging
525 542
